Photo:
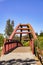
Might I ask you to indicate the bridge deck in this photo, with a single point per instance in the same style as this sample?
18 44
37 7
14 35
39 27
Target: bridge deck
22 50
19 56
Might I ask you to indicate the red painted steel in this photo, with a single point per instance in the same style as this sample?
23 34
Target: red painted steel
23 24
10 46
32 45
23 28
19 45
32 32
17 27
22 32
13 33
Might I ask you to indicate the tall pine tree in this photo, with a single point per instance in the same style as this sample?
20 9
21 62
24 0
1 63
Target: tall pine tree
9 28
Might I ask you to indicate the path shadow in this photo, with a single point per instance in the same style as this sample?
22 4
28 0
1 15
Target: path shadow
19 62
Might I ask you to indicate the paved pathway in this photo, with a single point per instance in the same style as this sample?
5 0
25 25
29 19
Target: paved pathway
20 56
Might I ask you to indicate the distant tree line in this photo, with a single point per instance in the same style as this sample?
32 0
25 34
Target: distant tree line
41 33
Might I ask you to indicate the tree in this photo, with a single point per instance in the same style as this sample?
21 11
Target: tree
41 33
9 28
12 23
36 34
16 37
25 37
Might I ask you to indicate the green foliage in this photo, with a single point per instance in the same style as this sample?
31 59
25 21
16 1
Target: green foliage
16 37
12 23
36 43
1 40
9 28
41 33
25 37
25 43
41 45
36 34
40 38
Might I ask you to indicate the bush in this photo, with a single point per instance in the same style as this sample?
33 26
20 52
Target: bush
41 42
25 43
41 45
1 40
36 44
40 38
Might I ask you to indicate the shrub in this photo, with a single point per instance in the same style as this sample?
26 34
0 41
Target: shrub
25 43
41 42
41 45
1 40
40 38
36 44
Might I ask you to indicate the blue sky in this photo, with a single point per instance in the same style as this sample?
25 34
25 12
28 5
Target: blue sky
22 11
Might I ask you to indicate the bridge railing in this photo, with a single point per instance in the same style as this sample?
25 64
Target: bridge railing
32 45
9 45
